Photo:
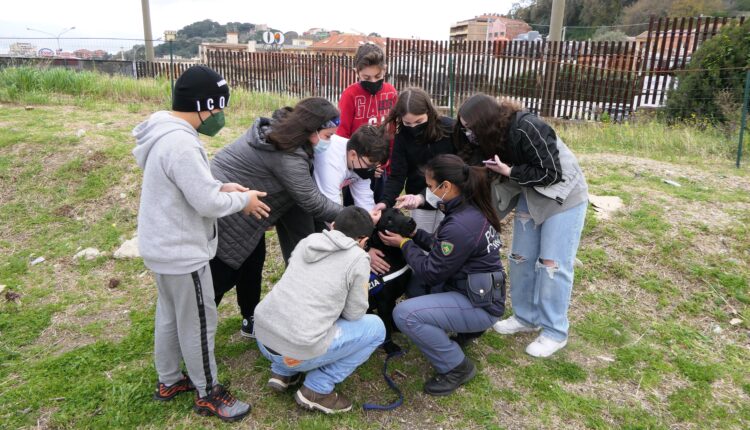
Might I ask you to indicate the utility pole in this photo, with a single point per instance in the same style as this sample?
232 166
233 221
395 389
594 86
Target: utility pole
147 31
553 59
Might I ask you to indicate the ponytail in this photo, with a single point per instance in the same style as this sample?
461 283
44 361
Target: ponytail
471 180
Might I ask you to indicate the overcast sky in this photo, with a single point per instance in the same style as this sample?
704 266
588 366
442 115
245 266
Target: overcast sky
122 18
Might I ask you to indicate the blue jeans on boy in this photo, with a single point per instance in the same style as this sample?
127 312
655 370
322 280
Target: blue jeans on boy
427 319
541 294
352 345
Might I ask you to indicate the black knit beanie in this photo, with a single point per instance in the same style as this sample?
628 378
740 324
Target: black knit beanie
199 89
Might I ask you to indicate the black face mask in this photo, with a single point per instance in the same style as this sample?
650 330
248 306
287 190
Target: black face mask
416 132
372 87
365 172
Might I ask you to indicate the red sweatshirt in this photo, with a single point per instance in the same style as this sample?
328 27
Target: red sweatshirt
358 107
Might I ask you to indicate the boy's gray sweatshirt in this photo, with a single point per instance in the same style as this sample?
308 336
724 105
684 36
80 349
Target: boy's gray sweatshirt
180 199
327 278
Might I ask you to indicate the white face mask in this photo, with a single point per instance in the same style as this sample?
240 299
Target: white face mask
322 145
432 198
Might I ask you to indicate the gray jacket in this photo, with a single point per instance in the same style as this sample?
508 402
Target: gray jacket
180 200
327 279
286 177
544 169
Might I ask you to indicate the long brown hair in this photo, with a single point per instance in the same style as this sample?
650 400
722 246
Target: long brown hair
416 101
489 120
471 180
294 129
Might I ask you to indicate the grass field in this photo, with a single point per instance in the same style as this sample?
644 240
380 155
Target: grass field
655 340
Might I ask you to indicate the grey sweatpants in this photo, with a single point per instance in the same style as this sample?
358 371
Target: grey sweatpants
185 328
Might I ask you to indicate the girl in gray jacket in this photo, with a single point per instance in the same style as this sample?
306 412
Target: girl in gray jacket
538 176
276 156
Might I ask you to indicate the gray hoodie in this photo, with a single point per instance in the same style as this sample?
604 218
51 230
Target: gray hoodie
327 279
180 200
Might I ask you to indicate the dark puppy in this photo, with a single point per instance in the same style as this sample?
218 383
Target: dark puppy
387 288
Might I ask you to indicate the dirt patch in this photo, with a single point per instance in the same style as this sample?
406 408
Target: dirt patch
66 331
718 177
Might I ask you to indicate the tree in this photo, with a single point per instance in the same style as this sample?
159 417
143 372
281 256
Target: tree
696 7
717 67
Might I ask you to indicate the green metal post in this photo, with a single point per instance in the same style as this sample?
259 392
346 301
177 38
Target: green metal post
451 83
743 123
171 68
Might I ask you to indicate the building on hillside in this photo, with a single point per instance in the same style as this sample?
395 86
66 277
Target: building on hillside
502 28
299 45
488 27
231 45
344 44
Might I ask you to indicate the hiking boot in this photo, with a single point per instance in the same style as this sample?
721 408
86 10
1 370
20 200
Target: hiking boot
221 403
512 326
446 383
464 339
280 383
166 392
247 329
331 403
544 346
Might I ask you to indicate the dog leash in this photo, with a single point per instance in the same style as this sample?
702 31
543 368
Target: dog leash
391 384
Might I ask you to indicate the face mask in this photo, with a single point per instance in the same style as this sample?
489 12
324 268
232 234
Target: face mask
432 198
372 87
365 172
211 125
415 131
471 137
322 145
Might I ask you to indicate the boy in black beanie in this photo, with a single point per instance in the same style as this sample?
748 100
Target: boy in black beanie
180 201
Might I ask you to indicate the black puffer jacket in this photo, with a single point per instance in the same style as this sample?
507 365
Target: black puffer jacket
286 177
408 159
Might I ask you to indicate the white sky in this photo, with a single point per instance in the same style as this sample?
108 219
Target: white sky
122 18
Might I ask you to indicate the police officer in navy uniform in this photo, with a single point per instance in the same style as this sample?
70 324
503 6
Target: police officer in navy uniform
462 269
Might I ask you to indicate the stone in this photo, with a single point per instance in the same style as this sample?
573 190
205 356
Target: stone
671 182
578 263
717 329
80 133
37 261
605 206
29 108
129 249
733 321
88 254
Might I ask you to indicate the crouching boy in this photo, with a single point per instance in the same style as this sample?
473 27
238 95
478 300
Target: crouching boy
313 321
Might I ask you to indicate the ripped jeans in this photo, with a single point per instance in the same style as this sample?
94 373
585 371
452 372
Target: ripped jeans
540 292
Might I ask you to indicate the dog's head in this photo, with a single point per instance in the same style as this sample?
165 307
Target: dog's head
396 222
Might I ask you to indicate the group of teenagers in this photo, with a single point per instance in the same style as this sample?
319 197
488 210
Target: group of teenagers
331 181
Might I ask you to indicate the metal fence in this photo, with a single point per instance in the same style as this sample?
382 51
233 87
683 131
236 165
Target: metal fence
571 79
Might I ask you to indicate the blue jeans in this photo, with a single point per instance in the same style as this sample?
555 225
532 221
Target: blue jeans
427 319
541 294
351 346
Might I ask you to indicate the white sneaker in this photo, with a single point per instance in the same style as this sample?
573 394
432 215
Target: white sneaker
544 346
512 326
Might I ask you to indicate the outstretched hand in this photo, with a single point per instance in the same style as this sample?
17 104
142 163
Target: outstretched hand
409 201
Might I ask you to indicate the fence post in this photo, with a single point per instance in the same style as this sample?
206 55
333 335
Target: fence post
743 123
451 82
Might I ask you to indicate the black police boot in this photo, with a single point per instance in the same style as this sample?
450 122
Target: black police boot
446 383
464 339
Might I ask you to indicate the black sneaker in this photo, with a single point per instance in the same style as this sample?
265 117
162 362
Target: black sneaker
280 383
221 403
446 383
247 329
166 392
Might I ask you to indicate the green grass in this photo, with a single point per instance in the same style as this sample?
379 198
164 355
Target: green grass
657 281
